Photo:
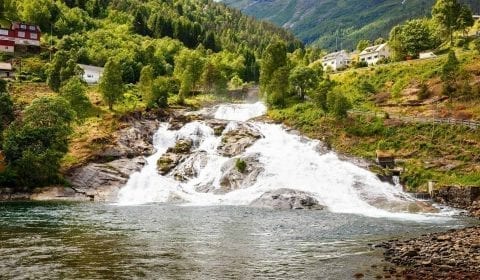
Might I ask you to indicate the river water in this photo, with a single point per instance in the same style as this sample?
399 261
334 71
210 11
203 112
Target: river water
217 236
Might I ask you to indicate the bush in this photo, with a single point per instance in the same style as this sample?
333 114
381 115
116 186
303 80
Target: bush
241 165
74 91
423 93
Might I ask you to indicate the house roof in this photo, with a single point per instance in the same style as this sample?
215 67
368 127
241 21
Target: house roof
5 66
334 55
373 49
91 68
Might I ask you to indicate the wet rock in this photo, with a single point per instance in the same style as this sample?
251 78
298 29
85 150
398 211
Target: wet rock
233 178
218 126
103 180
235 142
190 167
174 156
59 193
287 199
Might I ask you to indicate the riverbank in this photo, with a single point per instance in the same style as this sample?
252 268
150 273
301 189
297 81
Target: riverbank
454 254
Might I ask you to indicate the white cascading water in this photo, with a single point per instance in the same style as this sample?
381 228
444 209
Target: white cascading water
290 161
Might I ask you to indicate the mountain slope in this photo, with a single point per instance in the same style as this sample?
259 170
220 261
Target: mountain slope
322 22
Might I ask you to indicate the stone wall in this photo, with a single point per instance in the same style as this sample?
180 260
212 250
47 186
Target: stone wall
459 197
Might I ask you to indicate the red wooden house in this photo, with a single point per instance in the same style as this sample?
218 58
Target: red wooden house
21 34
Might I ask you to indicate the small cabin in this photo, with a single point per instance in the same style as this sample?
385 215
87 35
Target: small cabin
91 74
6 70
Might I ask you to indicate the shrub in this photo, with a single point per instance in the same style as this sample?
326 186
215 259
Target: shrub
423 93
241 165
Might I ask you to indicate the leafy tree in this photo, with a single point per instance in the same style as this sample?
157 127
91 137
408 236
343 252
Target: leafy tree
413 37
145 84
274 58
451 16
160 91
379 41
449 73
62 68
303 79
321 93
236 82
111 83
476 45
34 146
363 44
277 87
38 12
188 70
214 81
74 91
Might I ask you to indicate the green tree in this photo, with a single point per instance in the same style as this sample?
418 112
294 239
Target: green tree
341 105
188 70
74 91
277 87
34 146
63 67
413 37
214 81
465 20
363 44
476 45
145 83
38 12
449 74
111 83
320 95
6 111
160 91
303 79
274 58
451 16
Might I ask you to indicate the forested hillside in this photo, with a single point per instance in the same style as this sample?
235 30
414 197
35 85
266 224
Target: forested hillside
333 24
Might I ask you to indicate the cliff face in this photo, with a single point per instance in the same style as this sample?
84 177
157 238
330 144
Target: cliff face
460 197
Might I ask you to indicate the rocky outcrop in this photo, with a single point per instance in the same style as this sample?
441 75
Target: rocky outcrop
59 193
174 156
218 126
451 255
101 181
233 178
459 197
236 141
190 167
287 199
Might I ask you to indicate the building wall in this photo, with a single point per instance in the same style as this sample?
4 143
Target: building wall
91 77
7 49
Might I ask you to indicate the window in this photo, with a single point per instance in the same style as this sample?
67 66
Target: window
333 62
32 28
369 58
3 32
33 36
376 56
363 58
23 26
21 34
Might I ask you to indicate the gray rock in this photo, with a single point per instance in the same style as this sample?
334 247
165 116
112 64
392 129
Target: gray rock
190 166
103 180
235 142
233 179
287 199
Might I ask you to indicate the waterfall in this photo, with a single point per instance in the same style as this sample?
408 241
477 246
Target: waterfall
289 161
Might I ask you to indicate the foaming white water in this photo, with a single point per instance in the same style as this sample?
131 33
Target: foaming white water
240 112
289 161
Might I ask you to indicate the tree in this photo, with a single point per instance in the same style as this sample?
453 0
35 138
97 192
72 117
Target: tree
277 87
74 91
341 105
111 83
160 91
63 67
321 94
363 44
379 41
476 45
413 37
38 12
451 16
214 81
274 58
303 79
145 83
188 70
449 74
35 145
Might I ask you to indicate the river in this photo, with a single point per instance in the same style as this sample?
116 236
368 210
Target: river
218 236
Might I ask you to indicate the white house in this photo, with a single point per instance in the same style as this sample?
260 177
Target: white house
91 74
372 55
426 55
336 61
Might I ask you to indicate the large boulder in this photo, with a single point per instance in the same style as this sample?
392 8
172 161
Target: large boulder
190 167
236 141
218 126
287 199
240 173
101 181
174 156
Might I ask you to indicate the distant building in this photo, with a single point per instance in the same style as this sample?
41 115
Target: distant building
476 17
373 54
6 70
336 61
21 34
426 55
7 46
91 74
